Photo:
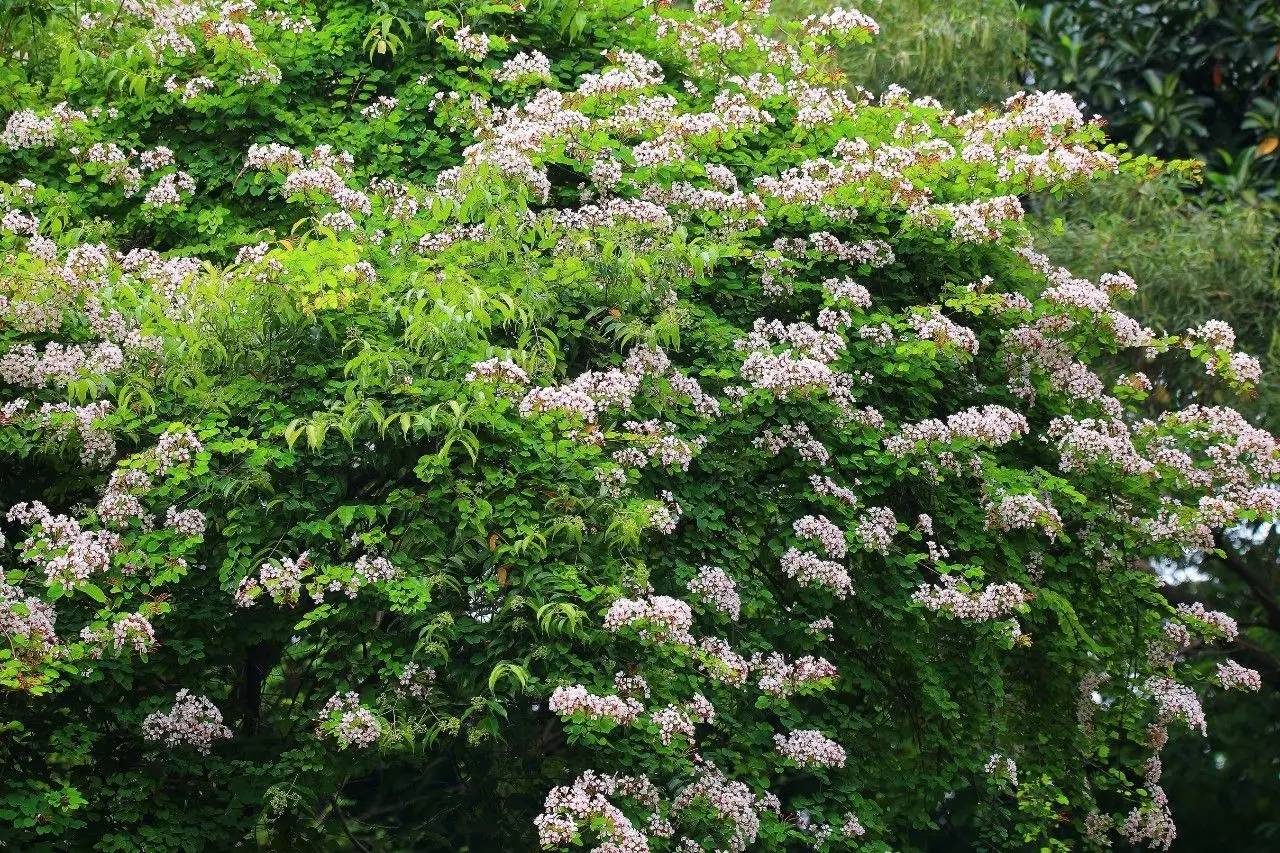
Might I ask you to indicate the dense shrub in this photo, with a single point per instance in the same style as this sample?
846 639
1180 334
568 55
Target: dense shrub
692 455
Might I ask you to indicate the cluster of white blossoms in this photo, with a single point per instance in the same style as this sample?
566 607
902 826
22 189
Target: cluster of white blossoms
875 529
368 570
414 681
186 522
839 21
67 553
525 66
1176 701
1232 675
29 129
25 366
732 802
995 601
796 437
117 167
824 532
568 701
28 624
348 722
656 443
132 631
193 721
717 590
670 722
174 32
660 617
285 580
382 106
497 371
1002 767
931 324
1151 823
61 420
1023 512
176 448
808 569
280 580
471 44
810 748
588 802
990 426
780 678
594 392
1221 360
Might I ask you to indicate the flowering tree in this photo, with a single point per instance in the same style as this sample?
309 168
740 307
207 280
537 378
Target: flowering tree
700 459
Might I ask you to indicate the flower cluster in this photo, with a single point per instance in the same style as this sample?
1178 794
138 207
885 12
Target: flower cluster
1003 767
717 590
526 66
655 443
1151 824
29 129
193 721
175 449
810 748
798 438
1023 512
1176 701
875 529
671 721
414 681
69 554
657 617
134 631
951 596
185 522
281 580
369 570
587 803
568 701
992 426
592 392
824 532
779 678
497 371
1232 675
345 720
1215 621
732 803
839 21
27 623
809 569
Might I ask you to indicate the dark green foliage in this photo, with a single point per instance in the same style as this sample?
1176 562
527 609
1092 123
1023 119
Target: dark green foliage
1179 78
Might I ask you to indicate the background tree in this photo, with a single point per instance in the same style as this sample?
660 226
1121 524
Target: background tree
1181 78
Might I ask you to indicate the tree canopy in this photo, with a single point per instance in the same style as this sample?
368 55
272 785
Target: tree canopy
604 425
